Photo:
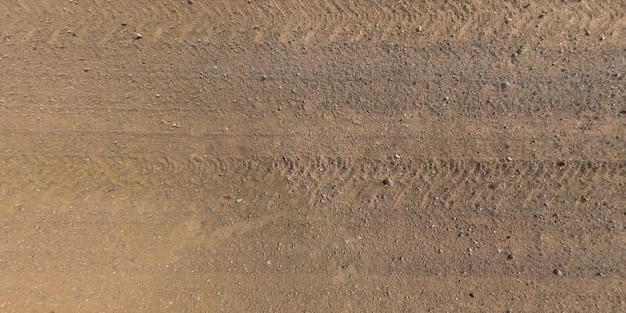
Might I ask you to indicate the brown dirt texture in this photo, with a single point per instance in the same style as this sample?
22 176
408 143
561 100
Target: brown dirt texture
312 156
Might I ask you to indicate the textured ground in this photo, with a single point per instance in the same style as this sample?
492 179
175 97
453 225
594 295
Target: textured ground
312 156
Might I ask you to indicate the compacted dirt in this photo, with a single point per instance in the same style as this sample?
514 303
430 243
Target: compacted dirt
312 156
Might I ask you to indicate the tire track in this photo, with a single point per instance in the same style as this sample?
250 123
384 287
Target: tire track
494 183
440 182
326 21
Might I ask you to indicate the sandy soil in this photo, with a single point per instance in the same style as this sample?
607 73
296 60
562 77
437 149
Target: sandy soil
312 156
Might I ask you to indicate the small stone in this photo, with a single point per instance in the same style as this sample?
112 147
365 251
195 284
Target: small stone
471 294
387 182
588 32
138 36
508 20
189 1
396 156
509 159
505 85
420 29
521 50
557 272
239 200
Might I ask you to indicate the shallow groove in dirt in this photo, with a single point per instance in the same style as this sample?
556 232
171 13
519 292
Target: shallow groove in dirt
313 21
453 183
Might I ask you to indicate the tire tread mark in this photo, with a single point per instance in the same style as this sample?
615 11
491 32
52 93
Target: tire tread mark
330 20
71 180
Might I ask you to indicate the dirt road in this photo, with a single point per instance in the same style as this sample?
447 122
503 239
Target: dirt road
312 156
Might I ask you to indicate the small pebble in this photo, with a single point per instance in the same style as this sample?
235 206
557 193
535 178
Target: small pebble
239 200
557 272
138 36
387 182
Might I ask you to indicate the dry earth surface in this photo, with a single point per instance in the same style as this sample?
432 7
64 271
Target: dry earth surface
312 156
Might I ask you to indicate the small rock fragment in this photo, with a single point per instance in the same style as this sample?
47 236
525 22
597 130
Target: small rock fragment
138 36
388 182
